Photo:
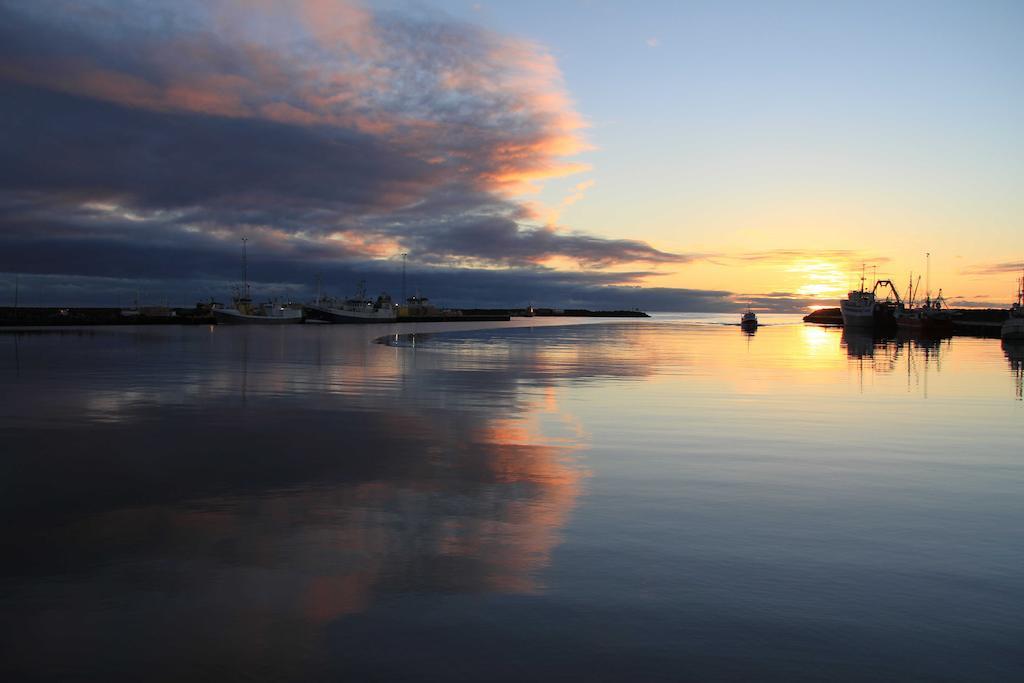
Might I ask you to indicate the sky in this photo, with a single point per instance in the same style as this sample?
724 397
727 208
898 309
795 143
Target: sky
663 156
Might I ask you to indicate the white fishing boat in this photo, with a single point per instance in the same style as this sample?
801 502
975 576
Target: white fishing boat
749 320
862 309
1013 327
358 309
858 309
245 312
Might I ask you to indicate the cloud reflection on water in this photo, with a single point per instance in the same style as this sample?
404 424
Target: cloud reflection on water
225 499
290 476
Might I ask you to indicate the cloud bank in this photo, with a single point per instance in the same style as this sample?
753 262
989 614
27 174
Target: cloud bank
142 140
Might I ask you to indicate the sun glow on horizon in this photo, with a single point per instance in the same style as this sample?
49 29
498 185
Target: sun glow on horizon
822 278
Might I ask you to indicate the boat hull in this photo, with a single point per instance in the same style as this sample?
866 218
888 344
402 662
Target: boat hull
233 317
879 315
1013 329
857 316
936 327
343 317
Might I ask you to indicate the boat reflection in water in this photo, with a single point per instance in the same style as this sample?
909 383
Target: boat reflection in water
861 343
1014 350
887 353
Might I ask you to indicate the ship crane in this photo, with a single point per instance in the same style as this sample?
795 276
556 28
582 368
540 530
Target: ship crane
892 289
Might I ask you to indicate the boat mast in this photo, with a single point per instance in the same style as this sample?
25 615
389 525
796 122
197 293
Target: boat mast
928 278
245 267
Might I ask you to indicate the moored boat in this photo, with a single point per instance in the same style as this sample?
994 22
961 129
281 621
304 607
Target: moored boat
419 309
358 309
245 312
858 309
932 318
862 308
1013 327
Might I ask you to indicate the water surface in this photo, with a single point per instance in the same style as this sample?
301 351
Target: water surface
667 499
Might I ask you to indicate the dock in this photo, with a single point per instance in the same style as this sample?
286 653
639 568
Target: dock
54 316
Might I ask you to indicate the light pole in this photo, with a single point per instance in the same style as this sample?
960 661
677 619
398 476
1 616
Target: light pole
405 255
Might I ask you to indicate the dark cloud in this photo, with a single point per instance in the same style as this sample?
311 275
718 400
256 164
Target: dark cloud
451 287
994 268
90 256
789 255
778 302
213 169
499 239
979 302
136 135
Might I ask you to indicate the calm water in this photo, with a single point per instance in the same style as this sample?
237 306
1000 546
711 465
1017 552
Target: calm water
638 500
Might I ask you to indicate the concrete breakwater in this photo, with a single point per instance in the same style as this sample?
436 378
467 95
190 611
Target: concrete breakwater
61 316
39 316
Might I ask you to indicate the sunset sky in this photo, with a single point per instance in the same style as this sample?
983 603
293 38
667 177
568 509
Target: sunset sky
660 155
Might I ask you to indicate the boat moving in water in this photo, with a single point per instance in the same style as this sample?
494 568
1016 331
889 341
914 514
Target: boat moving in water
749 320
358 309
1013 327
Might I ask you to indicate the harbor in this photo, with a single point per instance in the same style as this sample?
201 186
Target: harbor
357 309
449 342
865 309
203 314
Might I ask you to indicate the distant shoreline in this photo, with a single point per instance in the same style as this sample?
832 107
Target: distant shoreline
52 316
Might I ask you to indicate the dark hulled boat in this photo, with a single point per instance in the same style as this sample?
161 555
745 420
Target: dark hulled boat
931 319
749 320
